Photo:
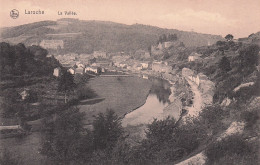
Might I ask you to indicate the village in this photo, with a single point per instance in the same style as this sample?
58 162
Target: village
101 62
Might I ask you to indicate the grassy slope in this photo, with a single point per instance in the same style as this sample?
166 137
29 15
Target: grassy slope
122 95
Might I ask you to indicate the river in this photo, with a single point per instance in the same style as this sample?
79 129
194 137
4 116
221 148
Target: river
156 101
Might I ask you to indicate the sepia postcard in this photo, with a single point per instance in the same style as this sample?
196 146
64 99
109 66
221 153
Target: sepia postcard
129 82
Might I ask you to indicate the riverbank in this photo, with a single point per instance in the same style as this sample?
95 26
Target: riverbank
135 123
174 109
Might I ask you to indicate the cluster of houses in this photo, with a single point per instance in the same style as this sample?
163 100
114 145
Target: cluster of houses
161 67
79 69
100 61
126 62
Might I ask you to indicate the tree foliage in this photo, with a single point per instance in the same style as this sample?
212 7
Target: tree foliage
106 130
248 57
19 60
224 64
169 37
66 83
229 148
63 135
229 37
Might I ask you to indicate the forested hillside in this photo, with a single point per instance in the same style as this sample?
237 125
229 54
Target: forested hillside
86 36
17 60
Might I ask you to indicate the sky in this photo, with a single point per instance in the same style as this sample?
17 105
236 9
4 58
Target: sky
237 17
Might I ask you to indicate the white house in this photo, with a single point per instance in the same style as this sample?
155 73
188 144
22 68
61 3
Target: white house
79 70
94 69
79 64
145 76
57 72
25 94
123 65
71 70
145 65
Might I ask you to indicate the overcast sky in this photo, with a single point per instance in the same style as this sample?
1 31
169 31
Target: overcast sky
238 17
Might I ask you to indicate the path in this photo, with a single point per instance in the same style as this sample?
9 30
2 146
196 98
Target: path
193 111
197 101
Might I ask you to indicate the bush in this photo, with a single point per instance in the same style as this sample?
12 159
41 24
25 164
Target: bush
84 92
7 158
211 117
167 143
232 146
250 118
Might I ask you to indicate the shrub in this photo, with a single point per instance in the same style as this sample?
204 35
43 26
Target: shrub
7 158
211 117
232 146
250 118
84 92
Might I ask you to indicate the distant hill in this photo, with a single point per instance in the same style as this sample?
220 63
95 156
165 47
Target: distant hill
252 38
86 36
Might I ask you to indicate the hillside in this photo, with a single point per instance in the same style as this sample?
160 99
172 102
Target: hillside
86 36
233 117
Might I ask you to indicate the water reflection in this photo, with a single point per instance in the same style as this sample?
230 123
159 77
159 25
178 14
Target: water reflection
161 88
156 101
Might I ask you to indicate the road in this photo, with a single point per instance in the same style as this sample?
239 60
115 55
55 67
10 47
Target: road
196 107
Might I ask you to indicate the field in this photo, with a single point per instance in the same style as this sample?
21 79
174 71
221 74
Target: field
121 94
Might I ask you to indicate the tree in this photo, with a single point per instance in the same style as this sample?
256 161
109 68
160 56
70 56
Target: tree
38 52
167 141
66 84
150 49
224 64
107 129
9 104
62 136
229 37
248 57
160 130
172 37
164 37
